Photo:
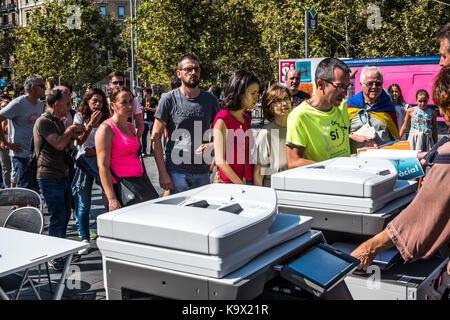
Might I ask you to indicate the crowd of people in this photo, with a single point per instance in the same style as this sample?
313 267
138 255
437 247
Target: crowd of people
192 130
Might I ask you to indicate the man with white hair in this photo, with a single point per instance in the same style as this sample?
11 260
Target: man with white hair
371 111
23 112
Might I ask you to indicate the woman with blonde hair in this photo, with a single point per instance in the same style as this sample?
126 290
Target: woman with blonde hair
271 139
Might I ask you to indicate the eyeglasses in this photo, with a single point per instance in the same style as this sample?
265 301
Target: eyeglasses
371 83
41 85
189 70
279 102
120 83
339 86
294 78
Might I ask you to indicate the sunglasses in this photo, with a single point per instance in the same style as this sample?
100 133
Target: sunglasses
120 83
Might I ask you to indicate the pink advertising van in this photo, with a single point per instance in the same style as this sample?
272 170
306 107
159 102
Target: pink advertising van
410 73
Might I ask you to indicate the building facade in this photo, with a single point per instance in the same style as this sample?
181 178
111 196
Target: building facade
109 8
8 15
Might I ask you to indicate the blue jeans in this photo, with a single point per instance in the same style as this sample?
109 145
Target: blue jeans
186 181
83 207
148 126
24 176
58 197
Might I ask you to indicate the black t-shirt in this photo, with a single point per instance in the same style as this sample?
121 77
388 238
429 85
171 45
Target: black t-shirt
149 103
299 98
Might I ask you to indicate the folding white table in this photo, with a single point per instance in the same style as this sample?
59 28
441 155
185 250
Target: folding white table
21 250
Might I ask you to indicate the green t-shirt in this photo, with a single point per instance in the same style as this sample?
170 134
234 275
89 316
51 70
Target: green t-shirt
323 134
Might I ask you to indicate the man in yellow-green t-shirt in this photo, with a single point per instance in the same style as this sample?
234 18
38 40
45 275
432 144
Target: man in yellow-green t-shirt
318 129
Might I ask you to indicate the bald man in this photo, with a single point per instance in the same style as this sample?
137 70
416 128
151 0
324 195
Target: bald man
292 82
443 39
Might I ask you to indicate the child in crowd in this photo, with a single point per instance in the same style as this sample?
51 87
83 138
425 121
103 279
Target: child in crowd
400 105
423 133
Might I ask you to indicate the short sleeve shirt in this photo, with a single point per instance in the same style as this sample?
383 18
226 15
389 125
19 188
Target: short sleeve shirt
22 115
271 150
323 134
50 163
187 122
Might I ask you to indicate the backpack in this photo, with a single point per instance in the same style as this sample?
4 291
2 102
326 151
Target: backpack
32 158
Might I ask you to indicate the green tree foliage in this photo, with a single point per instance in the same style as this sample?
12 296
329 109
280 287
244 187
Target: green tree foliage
254 34
54 44
223 35
7 44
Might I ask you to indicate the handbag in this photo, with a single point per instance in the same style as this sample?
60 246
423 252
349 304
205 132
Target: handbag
133 190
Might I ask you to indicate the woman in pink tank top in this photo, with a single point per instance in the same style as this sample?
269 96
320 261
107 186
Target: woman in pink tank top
117 146
233 138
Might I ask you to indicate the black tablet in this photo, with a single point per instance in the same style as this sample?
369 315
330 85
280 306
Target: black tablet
320 268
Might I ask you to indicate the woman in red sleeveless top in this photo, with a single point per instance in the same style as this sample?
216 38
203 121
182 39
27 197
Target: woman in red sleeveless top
233 138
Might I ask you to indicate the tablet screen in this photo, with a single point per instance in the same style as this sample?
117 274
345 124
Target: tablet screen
320 266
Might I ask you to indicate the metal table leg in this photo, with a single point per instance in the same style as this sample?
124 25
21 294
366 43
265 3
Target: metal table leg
3 294
60 288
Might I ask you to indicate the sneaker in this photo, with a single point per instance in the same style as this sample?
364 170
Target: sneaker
92 235
56 264
84 251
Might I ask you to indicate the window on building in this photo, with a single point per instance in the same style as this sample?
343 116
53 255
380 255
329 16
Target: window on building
26 1
103 11
13 19
28 17
121 12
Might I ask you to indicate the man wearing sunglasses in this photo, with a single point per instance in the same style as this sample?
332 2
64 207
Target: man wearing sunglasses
292 83
371 111
117 80
23 112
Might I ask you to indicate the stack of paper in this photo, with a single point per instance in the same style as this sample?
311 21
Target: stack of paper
399 152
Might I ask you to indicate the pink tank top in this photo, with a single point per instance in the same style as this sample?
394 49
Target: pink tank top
124 154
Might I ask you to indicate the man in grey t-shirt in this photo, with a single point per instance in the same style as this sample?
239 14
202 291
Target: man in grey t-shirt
23 112
187 113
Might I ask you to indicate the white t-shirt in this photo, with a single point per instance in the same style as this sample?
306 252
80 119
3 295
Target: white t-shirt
90 141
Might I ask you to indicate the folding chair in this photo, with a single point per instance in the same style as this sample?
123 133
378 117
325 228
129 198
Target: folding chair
21 197
28 219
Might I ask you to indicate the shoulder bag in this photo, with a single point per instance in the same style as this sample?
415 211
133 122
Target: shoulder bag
133 190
